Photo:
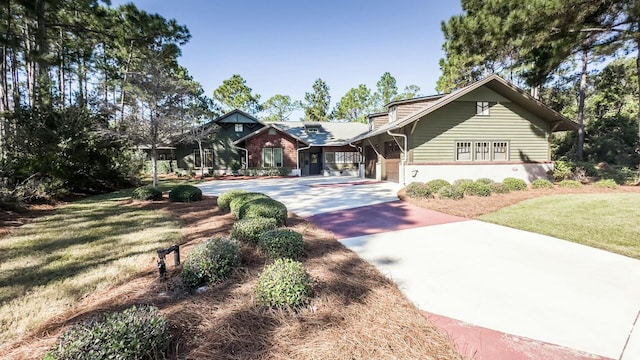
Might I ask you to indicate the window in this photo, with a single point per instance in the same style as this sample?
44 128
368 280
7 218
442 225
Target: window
482 150
313 130
208 158
272 131
482 108
239 128
350 157
392 114
272 157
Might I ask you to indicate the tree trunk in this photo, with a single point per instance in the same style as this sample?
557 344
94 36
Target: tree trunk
637 41
581 96
124 82
201 159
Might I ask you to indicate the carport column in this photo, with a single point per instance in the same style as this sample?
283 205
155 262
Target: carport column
404 156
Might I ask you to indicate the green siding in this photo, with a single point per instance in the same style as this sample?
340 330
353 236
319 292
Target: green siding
435 135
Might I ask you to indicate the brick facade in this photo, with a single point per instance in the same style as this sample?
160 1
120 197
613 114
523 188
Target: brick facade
278 140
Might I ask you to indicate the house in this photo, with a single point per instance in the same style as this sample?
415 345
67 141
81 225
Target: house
489 129
244 143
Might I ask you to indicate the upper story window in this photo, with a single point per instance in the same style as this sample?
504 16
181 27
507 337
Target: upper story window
313 130
482 108
239 128
393 113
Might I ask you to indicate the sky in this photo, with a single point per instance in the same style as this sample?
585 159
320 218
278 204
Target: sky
282 47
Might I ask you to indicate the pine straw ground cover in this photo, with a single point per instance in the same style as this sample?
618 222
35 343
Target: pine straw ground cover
356 313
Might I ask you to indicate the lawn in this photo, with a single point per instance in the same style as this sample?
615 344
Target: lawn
50 264
609 221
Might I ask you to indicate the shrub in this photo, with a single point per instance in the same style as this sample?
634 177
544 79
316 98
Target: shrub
225 198
562 170
249 230
486 181
264 207
284 284
462 184
240 199
146 193
211 261
607 184
418 190
514 184
571 184
451 192
135 333
478 189
541 184
499 188
185 193
437 184
282 243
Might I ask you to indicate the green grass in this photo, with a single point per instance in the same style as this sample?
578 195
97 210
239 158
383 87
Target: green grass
605 221
48 265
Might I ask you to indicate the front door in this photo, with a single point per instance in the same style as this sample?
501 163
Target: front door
315 163
370 159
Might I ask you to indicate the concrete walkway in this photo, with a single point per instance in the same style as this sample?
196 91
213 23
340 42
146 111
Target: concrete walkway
501 293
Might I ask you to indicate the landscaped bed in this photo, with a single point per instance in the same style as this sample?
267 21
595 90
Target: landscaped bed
355 313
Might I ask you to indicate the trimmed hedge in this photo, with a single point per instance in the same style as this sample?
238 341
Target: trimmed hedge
264 207
514 184
146 193
282 243
462 184
241 199
541 184
571 184
478 189
135 333
417 190
451 192
499 188
284 284
185 193
211 261
437 184
486 181
225 198
607 184
249 230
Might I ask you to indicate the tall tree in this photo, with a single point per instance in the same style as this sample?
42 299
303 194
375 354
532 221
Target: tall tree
235 94
316 106
354 105
409 92
280 107
386 90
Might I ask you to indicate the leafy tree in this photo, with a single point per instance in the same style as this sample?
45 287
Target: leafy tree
316 106
354 105
409 92
386 91
235 94
279 107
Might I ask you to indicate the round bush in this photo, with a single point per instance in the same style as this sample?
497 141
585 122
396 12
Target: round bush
571 184
478 189
451 192
486 181
541 184
282 243
146 193
607 184
284 284
417 190
462 184
211 261
498 188
240 200
225 198
514 184
249 230
185 193
437 184
135 333
264 207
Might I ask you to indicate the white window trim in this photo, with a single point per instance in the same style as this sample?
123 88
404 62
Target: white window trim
482 108
473 150
239 127
393 113
342 157
274 152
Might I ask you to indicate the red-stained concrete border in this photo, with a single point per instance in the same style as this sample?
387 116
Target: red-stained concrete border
380 218
478 343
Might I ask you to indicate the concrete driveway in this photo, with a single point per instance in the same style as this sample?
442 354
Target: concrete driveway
501 293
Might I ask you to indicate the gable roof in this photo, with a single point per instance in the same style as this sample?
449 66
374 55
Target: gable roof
230 118
495 83
329 133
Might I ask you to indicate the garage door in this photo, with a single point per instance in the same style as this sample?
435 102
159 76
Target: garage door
391 161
